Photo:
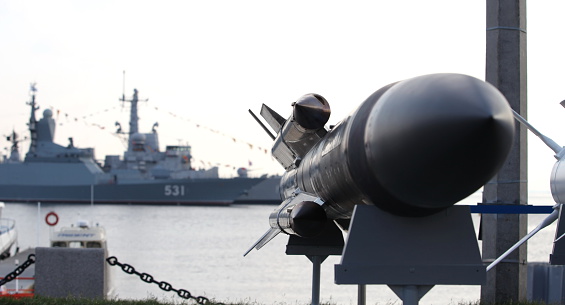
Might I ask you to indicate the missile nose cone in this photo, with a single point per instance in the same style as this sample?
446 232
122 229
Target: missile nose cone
308 219
434 140
312 111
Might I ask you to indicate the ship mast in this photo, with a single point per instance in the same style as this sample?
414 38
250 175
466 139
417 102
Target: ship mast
32 121
14 150
133 117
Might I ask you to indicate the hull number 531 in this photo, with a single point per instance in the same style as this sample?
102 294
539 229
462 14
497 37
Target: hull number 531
174 190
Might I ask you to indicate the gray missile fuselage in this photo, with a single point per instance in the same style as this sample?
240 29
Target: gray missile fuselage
557 181
412 148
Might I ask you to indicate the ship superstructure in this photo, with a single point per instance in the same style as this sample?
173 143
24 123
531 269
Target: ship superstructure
66 174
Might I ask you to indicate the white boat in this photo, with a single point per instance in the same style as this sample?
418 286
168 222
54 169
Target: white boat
8 236
81 235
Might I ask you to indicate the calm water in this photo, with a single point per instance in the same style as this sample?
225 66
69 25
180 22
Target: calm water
200 249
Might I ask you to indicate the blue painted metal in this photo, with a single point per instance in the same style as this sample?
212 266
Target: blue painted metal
511 209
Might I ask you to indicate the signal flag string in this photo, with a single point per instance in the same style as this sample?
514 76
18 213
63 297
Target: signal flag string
198 125
85 120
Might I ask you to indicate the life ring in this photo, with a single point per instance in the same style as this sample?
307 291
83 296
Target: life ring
49 222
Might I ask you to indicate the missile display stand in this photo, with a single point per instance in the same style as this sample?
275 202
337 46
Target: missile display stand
317 249
411 254
557 256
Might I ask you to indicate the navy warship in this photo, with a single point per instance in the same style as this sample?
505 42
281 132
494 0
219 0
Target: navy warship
144 175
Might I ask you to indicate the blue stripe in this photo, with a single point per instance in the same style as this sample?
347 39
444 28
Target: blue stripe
511 209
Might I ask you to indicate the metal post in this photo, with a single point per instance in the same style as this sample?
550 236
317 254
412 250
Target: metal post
317 249
361 294
411 296
17 282
316 268
37 224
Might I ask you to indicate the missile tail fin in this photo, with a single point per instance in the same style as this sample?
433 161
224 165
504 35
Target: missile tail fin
546 140
262 125
546 222
272 117
263 240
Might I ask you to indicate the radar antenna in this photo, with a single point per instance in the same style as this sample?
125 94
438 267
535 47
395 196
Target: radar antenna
123 87
14 149
32 120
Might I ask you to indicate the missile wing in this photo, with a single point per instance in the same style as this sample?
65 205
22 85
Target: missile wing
300 214
412 148
557 185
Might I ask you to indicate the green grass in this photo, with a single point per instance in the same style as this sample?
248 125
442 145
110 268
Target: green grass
80 301
37 300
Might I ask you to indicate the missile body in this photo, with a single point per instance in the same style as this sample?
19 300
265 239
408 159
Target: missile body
557 181
413 148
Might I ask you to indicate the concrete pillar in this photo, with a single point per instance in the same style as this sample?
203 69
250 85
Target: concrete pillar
63 272
506 69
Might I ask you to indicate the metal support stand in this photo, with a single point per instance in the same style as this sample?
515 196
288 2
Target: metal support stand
361 294
317 261
317 249
411 254
410 294
557 256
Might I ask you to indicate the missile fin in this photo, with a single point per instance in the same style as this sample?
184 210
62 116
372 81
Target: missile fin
280 220
273 119
544 223
263 240
262 125
546 140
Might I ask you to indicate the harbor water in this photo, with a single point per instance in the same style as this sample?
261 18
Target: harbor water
200 249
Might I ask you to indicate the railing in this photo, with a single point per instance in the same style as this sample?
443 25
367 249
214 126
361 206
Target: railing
18 292
6 225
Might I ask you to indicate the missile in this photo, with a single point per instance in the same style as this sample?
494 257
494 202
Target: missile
557 185
412 148
557 178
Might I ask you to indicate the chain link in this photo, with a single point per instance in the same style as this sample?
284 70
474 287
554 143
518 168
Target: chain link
19 270
148 278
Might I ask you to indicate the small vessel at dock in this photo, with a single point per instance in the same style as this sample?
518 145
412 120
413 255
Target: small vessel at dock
81 235
11 258
23 285
8 236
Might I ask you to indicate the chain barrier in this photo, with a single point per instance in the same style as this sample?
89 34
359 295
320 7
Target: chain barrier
148 278
19 270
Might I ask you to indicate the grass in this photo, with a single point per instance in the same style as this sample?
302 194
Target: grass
37 300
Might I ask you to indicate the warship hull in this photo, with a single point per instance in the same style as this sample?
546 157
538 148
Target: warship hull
145 174
167 192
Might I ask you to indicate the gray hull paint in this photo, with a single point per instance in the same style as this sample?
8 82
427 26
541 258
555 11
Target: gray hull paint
265 192
170 192
144 175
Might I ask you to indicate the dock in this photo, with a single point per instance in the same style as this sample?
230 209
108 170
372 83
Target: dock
23 284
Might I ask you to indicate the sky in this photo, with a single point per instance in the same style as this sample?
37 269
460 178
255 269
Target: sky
203 64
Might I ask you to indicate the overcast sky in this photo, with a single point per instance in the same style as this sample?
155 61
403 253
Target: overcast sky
203 64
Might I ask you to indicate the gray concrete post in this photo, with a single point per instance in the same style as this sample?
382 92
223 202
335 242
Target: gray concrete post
506 70
63 272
